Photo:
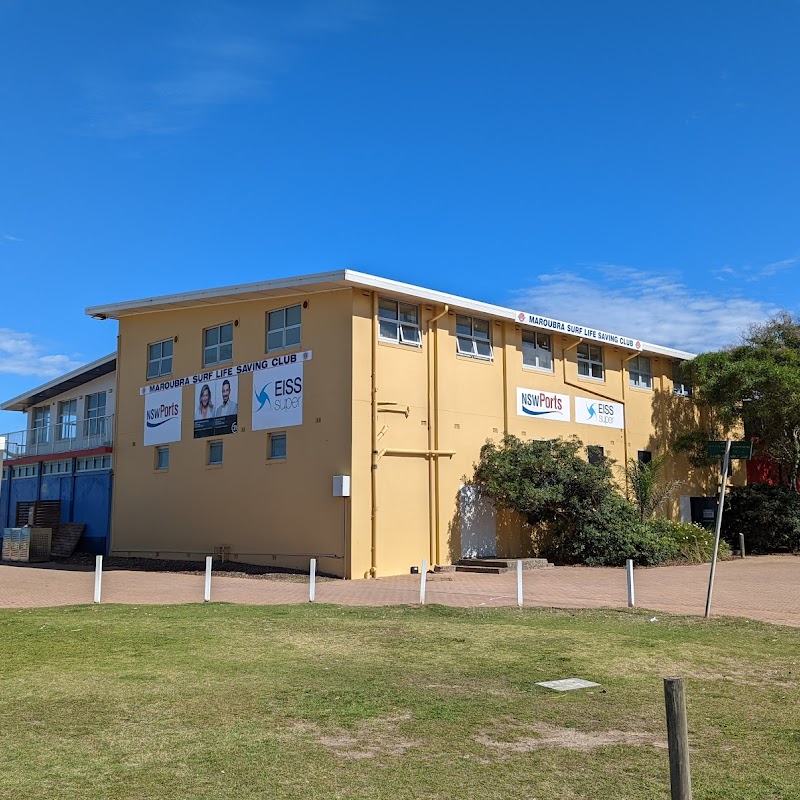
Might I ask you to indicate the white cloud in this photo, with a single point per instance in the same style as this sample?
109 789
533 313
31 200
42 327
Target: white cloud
22 354
7 237
656 308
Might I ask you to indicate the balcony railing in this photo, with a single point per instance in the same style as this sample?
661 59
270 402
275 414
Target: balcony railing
62 437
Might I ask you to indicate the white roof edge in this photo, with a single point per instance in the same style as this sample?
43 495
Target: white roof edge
348 277
6 406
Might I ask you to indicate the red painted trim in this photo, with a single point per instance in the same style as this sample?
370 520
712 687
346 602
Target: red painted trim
94 451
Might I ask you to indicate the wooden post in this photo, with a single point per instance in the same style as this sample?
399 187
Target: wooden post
423 579
678 739
629 571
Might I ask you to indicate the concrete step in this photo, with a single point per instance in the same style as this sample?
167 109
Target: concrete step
499 566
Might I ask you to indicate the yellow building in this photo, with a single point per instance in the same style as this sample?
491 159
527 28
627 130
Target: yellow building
337 416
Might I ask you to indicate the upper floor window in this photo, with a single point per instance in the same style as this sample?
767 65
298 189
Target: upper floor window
590 361
94 413
680 386
640 373
41 425
68 419
399 322
159 359
473 337
218 344
283 328
537 350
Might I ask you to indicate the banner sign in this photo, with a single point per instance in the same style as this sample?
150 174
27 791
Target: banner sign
278 397
216 407
577 330
162 417
546 405
599 412
227 372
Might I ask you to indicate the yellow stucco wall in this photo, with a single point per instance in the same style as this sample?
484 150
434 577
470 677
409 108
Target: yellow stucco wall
427 398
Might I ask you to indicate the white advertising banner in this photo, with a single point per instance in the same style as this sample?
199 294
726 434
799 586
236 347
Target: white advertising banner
577 330
599 412
545 405
278 397
162 417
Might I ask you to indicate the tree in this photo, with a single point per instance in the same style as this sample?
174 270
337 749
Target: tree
757 384
646 488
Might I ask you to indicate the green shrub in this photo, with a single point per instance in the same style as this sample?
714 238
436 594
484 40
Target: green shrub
768 516
691 543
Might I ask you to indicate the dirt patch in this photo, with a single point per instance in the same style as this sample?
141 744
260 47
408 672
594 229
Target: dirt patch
527 738
373 738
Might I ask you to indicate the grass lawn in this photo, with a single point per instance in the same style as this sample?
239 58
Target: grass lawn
219 701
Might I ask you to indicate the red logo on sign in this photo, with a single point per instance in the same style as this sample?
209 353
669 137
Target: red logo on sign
521 316
638 345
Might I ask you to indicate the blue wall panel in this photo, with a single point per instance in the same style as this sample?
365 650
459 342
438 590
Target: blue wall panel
92 506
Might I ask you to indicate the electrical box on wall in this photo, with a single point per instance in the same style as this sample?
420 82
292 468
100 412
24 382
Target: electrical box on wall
341 486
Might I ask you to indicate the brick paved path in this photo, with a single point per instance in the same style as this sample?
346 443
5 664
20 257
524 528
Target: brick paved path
765 588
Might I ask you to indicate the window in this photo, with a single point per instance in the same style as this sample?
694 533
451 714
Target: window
277 446
537 350
162 458
94 413
399 322
595 454
218 344
640 373
159 359
214 453
680 387
57 467
472 337
590 361
68 419
644 456
283 328
92 463
25 471
41 425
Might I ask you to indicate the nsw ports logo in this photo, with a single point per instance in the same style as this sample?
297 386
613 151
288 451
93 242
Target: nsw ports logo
156 417
546 405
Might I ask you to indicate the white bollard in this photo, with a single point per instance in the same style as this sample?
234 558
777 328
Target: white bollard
519 582
629 570
312 580
207 594
423 579
98 577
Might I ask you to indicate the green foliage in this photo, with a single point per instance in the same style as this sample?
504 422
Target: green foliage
757 383
690 542
577 514
768 516
646 488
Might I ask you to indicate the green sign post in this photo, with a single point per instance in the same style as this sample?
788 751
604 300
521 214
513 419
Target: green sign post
738 449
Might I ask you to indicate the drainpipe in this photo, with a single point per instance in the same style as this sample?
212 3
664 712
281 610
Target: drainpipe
433 435
625 417
505 382
373 569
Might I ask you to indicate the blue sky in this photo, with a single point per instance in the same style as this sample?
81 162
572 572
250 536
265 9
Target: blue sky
627 165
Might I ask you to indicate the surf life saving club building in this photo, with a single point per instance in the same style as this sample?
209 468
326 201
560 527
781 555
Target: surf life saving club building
336 416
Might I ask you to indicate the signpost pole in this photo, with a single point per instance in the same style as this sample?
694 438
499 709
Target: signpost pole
725 461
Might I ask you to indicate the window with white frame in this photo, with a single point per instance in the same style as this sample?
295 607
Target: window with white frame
92 463
640 373
94 413
159 359
41 425
473 337
214 453
277 446
590 360
68 419
283 328
57 467
218 344
399 322
25 471
537 350
162 458
680 386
